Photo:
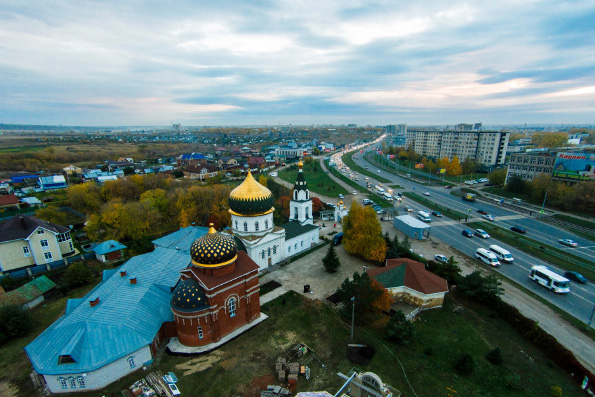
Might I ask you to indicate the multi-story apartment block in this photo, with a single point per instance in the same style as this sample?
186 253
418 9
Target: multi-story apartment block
529 165
488 148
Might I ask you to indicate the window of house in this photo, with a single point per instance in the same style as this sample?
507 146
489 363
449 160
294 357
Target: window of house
262 254
72 383
302 243
131 362
295 246
40 231
266 223
26 251
81 381
231 304
245 226
269 251
48 256
256 226
63 383
44 244
65 359
288 249
200 332
71 247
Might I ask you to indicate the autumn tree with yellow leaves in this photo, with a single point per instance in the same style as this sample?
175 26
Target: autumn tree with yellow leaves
362 234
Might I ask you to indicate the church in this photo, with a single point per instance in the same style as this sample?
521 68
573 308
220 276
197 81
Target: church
251 208
195 291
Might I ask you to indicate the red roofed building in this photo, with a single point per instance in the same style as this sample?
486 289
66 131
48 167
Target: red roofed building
408 281
9 201
256 162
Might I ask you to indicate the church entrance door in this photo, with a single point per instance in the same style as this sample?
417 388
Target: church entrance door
270 261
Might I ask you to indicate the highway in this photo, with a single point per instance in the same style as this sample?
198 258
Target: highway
579 302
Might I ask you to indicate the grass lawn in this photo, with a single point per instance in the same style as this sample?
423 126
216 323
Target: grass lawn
432 205
564 259
318 181
575 220
348 161
440 335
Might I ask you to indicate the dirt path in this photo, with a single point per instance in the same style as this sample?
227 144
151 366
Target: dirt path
581 345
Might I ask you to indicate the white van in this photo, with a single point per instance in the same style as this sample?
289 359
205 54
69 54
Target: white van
424 216
501 253
487 257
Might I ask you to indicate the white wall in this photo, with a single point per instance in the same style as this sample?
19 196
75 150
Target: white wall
101 377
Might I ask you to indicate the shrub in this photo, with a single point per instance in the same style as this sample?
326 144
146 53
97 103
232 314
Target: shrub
14 321
465 364
556 391
495 357
399 329
78 274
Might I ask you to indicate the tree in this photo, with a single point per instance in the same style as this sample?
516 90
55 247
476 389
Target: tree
498 177
85 197
465 364
78 274
399 329
549 139
315 151
495 357
454 167
403 155
482 289
361 234
449 270
331 260
443 163
364 292
14 322
469 165
52 214
262 180
316 205
516 185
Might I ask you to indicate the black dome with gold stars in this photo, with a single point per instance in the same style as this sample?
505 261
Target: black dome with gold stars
213 249
189 297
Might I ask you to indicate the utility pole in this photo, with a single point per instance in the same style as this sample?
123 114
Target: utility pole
352 314
543 205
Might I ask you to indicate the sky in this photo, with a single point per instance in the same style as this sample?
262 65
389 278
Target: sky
297 62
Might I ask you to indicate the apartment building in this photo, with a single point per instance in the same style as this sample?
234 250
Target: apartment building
488 148
529 165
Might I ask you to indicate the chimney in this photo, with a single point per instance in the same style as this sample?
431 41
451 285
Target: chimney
94 303
123 273
132 280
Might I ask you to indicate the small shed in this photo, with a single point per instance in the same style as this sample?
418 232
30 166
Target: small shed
412 227
108 251
30 294
327 215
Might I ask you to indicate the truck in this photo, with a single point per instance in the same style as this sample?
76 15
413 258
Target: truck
468 196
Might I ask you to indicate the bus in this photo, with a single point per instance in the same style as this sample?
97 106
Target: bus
387 197
379 189
550 280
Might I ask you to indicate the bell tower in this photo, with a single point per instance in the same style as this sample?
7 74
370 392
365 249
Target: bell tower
300 206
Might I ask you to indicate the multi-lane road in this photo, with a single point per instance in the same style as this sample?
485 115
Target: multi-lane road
579 302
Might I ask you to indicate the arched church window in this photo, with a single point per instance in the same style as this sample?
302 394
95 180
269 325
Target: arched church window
274 250
256 226
306 195
245 226
262 254
269 251
236 224
231 304
266 223
295 194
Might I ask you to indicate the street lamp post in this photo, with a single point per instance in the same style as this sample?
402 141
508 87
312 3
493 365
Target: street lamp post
543 205
352 314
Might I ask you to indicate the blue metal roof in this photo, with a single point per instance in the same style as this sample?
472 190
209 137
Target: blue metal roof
108 246
126 319
182 239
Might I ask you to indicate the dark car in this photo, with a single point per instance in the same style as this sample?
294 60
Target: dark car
518 229
574 276
482 212
467 233
436 213
448 187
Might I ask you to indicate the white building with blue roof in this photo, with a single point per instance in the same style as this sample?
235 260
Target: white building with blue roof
114 329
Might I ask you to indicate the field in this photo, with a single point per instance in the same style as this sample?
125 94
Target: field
246 363
318 181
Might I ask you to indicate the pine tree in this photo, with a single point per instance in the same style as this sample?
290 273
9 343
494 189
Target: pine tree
331 260
494 356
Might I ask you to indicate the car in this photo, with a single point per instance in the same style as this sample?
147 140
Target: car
483 180
400 195
489 217
378 171
330 205
367 178
408 208
481 233
341 196
426 193
441 258
354 192
575 276
377 207
448 187
482 212
468 182
407 175
467 233
437 214
568 242
518 229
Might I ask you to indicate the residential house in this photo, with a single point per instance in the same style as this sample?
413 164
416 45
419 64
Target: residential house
225 161
20 177
408 281
201 172
27 242
52 182
108 251
30 294
191 159
256 162
5 188
71 169
9 202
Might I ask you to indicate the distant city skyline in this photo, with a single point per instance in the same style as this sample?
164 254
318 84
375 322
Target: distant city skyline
302 63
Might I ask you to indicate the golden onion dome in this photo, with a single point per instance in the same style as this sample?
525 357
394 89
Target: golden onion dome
300 164
250 198
213 249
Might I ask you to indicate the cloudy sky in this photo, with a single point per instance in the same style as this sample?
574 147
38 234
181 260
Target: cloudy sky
301 62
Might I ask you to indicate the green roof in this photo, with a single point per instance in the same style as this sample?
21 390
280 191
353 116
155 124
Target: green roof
28 292
393 277
294 229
